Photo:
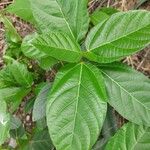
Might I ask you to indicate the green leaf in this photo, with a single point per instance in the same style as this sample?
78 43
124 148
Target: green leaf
109 10
29 50
98 16
21 75
29 105
41 124
67 16
38 87
10 30
15 81
15 122
58 43
16 74
47 63
130 137
102 14
22 9
39 109
9 92
128 92
4 122
108 130
76 107
40 141
13 96
123 34
6 78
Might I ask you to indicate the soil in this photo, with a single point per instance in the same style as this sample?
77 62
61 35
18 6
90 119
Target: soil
140 61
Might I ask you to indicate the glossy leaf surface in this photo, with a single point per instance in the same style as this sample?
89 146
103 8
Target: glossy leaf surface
130 137
29 50
76 107
58 45
123 34
69 16
128 92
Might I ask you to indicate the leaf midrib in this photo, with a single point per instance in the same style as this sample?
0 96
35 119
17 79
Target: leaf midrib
125 90
78 52
76 108
63 15
109 42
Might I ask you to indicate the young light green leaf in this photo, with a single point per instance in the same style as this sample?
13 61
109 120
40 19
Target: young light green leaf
76 107
15 81
67 16
128 92
123 34
39 108
130 137
13 96
102 14
4 122
10 30
20 73
58 45
22 9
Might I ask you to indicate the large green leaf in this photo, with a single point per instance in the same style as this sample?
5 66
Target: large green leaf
76 107
39 109
4 122
128 92
58 45
70 16
123 34
130 137
22 9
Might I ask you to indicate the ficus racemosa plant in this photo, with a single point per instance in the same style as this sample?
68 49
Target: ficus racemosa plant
86 50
